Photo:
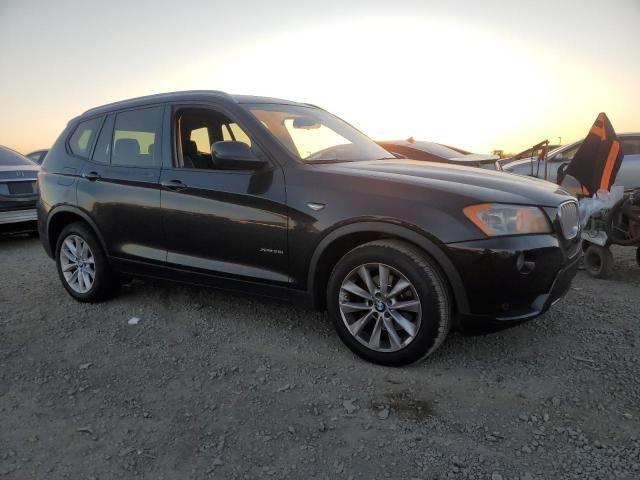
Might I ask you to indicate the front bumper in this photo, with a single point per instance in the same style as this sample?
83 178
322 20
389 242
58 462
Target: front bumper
515 278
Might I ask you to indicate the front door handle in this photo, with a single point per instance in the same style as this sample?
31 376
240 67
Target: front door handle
173 185
91 176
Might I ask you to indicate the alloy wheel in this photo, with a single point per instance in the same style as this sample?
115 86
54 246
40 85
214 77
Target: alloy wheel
380 307
77 263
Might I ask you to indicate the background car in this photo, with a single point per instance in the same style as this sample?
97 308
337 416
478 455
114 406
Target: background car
18 192
436 152
528 153
628 175
37 156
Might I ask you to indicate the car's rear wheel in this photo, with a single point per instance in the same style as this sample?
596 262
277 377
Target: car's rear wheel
82 265
598 261
389 302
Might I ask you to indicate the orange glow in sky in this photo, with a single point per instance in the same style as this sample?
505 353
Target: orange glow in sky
479 79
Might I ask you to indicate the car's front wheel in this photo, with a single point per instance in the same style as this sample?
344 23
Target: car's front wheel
82 265
389 302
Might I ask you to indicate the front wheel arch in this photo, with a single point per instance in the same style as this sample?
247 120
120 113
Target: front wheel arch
324 257
421 307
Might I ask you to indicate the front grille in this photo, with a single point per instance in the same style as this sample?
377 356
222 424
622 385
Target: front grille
569 219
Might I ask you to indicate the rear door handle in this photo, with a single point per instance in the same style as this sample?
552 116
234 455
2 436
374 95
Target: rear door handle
91 176
174 185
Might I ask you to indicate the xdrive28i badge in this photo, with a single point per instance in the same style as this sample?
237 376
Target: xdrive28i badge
272 250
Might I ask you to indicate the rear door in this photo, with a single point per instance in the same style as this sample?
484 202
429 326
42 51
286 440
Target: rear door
119 185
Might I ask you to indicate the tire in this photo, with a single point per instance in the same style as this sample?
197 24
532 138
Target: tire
374 315
95 266
638 256
598 261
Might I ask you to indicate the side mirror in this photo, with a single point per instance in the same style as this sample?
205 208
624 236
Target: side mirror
235 156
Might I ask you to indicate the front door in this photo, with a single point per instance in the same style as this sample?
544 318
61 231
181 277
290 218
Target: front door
222 223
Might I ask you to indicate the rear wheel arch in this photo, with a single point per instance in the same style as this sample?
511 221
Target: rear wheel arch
345 238
63 216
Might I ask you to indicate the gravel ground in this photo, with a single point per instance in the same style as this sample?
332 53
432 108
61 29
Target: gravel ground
214 385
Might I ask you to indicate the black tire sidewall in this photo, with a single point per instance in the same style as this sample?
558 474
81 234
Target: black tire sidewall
432 314
604 258
103 283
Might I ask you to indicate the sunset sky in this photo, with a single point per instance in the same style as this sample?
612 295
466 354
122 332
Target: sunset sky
479 75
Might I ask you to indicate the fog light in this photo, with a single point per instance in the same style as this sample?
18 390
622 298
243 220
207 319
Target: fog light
525 263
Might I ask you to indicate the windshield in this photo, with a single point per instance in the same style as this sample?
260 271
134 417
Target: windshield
314 135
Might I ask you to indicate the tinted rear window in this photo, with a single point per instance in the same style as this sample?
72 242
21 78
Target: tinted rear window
9 157
134 137
83 137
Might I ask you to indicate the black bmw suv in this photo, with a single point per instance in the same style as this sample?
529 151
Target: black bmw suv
284 199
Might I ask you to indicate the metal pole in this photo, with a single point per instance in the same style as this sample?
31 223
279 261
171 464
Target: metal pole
546 164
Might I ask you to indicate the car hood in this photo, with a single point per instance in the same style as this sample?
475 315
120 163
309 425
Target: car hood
476 184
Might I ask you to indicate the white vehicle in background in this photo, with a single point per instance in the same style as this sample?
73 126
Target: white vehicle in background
628 175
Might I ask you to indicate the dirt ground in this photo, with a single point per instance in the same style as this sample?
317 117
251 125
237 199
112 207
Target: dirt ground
214 385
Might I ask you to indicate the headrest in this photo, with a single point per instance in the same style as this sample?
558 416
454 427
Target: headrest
189 147
127 146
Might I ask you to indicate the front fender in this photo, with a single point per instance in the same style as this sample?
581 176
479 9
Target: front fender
411 234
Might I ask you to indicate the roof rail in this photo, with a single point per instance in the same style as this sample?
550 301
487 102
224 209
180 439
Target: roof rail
157 96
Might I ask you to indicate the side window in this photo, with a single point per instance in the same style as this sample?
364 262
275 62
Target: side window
83 137
572 153
102 152
196 129
134 138
630 145
201 137
568 155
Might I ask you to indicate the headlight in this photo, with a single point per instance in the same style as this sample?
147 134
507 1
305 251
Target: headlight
495 219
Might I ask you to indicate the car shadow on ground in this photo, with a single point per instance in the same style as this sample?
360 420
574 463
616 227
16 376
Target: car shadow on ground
17 238
184 301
